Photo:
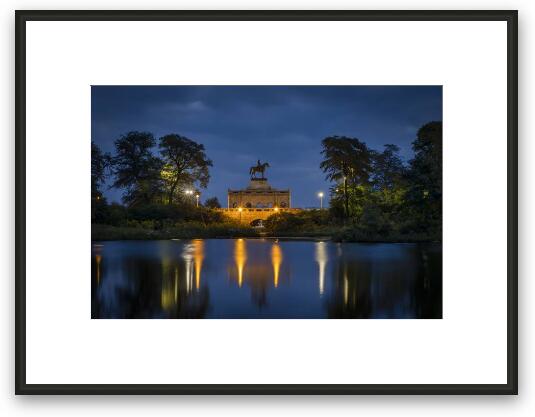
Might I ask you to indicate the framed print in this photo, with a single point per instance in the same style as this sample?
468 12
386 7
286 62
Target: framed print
266 202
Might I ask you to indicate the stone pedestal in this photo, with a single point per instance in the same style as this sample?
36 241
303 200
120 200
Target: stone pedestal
259 184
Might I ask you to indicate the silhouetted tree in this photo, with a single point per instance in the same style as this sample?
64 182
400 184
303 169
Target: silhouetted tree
212 203
346 160
388 169
100 163
425 177
136 169
185 164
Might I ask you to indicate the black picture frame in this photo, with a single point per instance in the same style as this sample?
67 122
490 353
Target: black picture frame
509 16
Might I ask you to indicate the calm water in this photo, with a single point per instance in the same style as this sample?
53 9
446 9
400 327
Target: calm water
262 278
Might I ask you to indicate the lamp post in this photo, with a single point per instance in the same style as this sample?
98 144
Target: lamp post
320 195
190 193
240 210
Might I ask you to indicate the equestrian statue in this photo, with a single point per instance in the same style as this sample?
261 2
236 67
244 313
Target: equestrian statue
260 168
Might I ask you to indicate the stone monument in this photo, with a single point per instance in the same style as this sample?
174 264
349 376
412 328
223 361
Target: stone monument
259 193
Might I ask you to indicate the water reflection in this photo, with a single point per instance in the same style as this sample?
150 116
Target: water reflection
276 260
98 259
198 256
97 249
321 259
193 255
246 278
240 257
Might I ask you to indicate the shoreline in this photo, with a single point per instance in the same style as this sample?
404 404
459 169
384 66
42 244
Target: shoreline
283 239
112 233
271 237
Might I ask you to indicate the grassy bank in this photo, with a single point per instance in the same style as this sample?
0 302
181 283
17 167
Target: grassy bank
223 230
186 231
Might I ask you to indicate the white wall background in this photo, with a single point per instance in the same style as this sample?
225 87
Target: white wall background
238 406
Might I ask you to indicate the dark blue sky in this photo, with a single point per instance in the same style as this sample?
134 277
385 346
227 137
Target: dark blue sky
283 125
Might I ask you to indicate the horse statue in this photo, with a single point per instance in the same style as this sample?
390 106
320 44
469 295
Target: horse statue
260 168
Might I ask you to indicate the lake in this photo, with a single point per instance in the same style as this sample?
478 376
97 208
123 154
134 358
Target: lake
265 279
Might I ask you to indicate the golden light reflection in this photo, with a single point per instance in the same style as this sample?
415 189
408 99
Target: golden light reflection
169 293
321 259
240 257
198 256
98 259
167 298
276 260
346 286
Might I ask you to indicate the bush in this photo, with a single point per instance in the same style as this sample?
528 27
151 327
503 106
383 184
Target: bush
112 214
188 230
141 224
160 215
212 203
304 223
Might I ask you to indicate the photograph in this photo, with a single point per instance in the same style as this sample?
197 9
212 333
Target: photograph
266 202
325 180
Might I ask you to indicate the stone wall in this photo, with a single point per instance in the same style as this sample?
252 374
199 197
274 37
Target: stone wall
259 199
259 194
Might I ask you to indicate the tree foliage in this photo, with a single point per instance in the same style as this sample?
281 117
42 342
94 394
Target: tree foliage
388 198
136 169
387 167
212 203
185 164
346 160
425 177
100 164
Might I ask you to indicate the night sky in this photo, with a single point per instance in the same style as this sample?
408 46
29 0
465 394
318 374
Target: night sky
283 125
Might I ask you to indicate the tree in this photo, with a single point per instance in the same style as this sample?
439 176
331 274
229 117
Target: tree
100 163
185 164
388 169
136 169
212 203
425 177
346 160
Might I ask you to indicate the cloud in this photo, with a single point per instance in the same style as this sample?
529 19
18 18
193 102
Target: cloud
178 107
196 106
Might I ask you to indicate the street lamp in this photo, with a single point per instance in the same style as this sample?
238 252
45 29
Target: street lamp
240 210
190 193
320 195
